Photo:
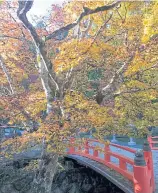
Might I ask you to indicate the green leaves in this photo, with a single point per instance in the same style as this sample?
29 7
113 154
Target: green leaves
95 74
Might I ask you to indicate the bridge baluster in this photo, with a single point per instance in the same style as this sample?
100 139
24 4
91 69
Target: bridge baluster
95 153
86 147
72 148
122 164
106 154
79 148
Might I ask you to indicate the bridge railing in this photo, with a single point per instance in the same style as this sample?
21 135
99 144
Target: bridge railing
153 141
142 175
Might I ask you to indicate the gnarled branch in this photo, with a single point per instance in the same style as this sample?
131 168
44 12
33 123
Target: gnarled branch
86 11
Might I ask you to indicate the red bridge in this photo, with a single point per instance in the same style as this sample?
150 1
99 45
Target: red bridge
130 169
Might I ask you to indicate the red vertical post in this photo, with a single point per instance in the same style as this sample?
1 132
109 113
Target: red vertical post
122 164
106 153
95 153
79 148
71 148
149 161
86 147
141 179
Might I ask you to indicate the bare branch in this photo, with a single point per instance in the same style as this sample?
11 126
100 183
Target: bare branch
135 90
6 74
12 37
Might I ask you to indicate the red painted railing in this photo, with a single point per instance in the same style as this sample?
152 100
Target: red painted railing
153 141
142 175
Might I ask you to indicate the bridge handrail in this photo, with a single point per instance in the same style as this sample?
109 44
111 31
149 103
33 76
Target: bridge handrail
123 147
116 155
107 153
121 157
155 137
112 144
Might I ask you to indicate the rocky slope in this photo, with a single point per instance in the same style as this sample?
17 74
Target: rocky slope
19 178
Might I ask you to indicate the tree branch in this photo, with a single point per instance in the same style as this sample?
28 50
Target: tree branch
24 7
107 93
7 74
136 90
12 37
86 11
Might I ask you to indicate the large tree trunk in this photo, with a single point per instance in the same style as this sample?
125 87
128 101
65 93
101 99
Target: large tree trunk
44 75
48 163
45 175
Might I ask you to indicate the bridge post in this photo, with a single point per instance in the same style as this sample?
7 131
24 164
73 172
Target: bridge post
106 154
86 147
72 148
79 148
149 161
141 176
95 153
122 164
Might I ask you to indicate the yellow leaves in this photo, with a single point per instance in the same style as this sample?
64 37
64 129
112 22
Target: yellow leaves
95 52
150 22
145 39
70 54
153 94
37 103
37 96
136 83
132 22
101 119
107 142
98 19
136 65
148 32
88 111
146 22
